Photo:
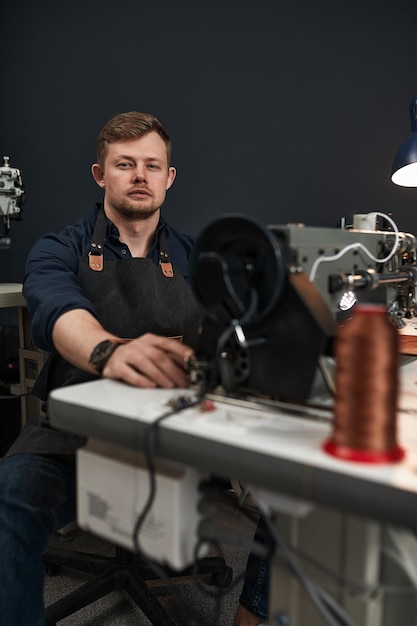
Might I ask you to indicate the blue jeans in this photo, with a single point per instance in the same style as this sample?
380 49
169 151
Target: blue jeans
255 591
37 497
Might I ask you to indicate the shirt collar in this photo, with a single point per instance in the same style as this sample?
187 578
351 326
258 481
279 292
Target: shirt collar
113 231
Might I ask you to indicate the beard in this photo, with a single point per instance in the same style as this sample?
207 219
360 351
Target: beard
134 211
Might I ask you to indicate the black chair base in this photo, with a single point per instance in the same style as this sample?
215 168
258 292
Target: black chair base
123 572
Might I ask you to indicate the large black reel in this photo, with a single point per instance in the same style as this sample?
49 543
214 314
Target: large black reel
237 270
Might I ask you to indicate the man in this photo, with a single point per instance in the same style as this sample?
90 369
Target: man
107 296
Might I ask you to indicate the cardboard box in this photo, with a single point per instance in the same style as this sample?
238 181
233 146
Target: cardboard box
112 490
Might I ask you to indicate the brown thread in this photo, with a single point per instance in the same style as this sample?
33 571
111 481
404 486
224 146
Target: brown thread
366 381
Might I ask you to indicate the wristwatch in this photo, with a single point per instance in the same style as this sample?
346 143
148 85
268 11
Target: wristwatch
102 352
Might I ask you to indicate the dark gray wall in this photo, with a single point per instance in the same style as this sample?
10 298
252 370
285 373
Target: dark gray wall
286 111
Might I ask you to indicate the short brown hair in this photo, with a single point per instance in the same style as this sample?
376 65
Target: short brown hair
128 126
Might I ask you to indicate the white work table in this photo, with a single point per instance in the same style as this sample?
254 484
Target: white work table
11 295
272 449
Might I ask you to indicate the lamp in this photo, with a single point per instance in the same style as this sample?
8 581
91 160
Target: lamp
404 166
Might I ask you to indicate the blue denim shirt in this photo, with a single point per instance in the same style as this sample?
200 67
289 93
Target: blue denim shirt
50 283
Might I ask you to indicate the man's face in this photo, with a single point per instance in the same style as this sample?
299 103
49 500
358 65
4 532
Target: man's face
135 176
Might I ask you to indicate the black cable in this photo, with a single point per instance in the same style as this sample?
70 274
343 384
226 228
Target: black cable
148 442
148 437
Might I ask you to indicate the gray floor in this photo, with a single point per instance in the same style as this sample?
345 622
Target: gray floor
118 608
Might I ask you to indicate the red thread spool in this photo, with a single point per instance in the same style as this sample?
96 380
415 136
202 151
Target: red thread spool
366 381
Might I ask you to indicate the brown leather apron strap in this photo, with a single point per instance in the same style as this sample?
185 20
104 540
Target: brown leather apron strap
95 256
164 262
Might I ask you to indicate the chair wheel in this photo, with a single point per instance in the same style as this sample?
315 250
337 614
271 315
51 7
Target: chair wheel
52 569
222 579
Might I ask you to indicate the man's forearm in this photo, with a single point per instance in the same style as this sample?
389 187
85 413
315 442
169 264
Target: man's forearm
75 335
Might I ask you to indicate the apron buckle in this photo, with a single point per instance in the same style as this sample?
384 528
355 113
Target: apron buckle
95 261
166 268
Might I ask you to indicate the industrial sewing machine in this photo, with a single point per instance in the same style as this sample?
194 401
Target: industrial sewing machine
11 199
273 295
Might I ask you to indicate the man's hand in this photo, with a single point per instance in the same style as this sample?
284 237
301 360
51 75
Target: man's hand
150 361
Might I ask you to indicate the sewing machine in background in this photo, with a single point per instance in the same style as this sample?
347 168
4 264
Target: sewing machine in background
11 199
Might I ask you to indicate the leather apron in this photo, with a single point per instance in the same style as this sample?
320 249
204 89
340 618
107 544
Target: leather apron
131 297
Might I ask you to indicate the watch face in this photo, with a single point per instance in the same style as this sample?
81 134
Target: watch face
102 352
103 348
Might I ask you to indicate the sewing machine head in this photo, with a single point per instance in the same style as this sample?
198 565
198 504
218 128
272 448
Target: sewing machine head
273 295
11 199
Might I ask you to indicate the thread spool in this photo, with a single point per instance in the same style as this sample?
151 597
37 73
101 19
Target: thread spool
366 383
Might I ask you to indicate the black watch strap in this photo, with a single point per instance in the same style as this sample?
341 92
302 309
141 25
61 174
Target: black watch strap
102 352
